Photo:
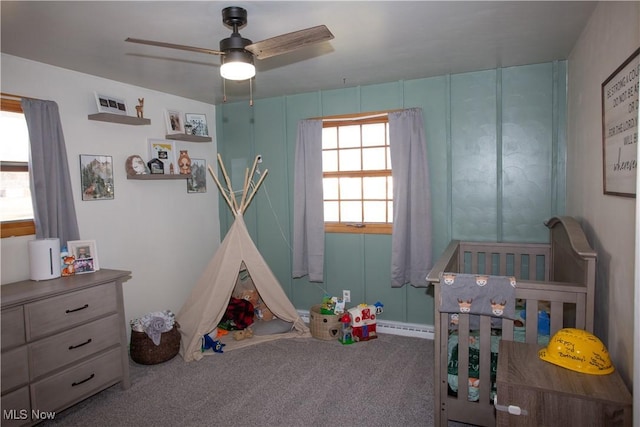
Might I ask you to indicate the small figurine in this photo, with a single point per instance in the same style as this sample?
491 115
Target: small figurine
140 108
184 163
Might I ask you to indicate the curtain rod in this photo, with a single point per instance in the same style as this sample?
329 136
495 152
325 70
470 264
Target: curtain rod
354 117
16 97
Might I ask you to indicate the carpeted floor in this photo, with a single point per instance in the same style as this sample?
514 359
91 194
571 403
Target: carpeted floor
290 382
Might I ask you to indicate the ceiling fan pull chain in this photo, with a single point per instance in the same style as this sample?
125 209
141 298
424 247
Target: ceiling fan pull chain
251 92
224 90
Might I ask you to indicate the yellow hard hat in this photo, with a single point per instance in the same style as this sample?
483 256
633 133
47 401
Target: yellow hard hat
579 351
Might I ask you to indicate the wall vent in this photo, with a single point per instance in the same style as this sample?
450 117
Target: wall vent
416 330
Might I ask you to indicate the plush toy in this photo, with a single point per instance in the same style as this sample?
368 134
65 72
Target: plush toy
210 343
260 309
68 268
240 335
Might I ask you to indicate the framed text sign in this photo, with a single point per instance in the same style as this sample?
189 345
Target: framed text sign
620 128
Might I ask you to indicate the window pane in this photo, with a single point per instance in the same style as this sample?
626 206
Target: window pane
373 134
350 188
390 209
330 161
350 160
390 186
375 211
350 212
15 196
373 158
330 188
374 187
14 136
329 138
331 211
349 136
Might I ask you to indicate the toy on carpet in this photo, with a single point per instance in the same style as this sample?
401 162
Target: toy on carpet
210 343
346 333
363 322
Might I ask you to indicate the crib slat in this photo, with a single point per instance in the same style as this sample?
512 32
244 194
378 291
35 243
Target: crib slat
531 323
556 316
507 329
463 357
503 263
485 359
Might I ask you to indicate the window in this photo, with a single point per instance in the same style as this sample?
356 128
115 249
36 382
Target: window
357 182
16 211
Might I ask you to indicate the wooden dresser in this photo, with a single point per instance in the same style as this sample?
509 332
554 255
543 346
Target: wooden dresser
63 340
555 396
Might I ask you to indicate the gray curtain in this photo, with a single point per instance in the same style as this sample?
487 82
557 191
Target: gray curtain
53 208
308 210
411 236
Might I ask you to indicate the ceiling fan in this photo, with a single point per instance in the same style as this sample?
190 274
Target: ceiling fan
237 53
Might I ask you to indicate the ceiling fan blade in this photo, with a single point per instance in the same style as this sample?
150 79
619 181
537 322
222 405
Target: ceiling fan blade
291 41
175 46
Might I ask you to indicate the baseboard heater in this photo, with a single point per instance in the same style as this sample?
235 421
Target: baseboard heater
392 327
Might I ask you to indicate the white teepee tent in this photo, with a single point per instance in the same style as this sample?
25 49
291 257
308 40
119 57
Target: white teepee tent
204 309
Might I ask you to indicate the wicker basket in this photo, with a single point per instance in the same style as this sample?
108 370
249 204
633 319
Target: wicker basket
323 326
145 352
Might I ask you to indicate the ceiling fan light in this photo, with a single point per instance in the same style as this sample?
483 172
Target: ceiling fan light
237 65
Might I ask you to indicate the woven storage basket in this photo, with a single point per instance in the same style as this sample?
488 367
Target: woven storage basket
323 326
145 352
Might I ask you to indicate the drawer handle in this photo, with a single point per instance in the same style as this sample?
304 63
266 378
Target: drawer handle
77 309
83 381
71 347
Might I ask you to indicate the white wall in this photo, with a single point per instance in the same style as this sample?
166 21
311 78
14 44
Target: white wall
155 229
611 36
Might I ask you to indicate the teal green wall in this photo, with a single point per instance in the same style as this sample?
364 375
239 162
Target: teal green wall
496 147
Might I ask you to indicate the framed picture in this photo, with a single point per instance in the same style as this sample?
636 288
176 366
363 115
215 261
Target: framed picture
96 176
175 122
620 128
196 124
198 181
110 104
165 151
85 253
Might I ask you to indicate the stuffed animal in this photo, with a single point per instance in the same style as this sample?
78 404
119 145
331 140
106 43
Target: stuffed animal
68 268
260 309
240 335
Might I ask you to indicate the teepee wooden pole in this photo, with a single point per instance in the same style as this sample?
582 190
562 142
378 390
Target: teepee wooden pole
248 178
255 189
228 181
224 194
245 188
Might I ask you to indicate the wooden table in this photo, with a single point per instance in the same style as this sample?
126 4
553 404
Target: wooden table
555 396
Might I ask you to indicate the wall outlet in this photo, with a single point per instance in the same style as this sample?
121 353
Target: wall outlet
346 296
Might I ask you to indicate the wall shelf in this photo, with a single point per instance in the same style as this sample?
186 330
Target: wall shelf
152 176
187 137
118 118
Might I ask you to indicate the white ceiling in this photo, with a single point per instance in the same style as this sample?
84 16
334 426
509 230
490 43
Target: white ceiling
375 41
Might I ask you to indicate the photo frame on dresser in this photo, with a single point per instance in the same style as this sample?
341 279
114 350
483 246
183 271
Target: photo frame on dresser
85 253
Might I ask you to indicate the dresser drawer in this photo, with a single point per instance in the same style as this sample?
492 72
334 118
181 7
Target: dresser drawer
12 327
16 410
58 313
15 369
67 347
68 387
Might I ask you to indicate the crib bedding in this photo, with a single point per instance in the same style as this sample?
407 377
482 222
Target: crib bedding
519 334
